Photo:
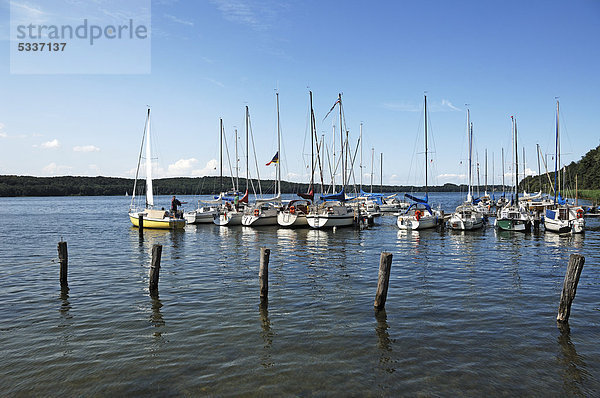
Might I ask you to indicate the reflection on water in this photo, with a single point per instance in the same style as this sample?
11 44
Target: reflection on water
156 319
573 366
384 343
267 335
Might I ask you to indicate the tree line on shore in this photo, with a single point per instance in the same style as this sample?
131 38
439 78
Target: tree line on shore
11 186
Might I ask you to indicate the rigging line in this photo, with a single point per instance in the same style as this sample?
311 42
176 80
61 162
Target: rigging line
255 159
228 158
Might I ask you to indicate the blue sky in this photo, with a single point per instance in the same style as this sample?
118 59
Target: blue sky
211 58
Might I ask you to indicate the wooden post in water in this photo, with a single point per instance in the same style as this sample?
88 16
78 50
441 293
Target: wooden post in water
141 224
570 287
383 281
263 274
155 268
63 258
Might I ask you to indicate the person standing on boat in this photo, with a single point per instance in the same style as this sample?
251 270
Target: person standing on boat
236 202
175 203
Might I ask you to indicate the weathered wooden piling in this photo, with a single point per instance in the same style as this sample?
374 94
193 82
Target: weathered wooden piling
383 281
570 287
141 224
63 258
155 268
263 274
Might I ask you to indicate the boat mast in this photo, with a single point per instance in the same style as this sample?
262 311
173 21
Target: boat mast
470 141
342 159
372 159
524 169
247 149
486 173
539 166
334 163
503 186
278 164
237 165
556 162
381 179
137 170
149 194
477 162
312 144
361 153
221 156
516 165
426 186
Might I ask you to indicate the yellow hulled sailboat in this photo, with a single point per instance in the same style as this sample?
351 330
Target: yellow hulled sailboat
153 218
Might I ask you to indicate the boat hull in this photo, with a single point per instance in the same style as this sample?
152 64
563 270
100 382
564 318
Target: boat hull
228 219
513 225
411 222
286 219
199 218
259 221
319 221
458 223
170 223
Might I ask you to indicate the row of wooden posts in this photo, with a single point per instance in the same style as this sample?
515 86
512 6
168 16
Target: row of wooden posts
567 296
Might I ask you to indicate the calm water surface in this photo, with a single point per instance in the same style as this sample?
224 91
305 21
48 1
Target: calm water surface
467 313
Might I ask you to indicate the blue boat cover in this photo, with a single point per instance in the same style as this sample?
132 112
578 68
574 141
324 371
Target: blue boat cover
341 196
418 200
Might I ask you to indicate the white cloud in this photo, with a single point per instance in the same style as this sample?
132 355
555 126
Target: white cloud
54 169
86 148
182 167
179 21
209 169
51 144
2 133
448 104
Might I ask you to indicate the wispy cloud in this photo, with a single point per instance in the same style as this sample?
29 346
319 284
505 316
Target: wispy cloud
242 12
432 106
51 144
178 20
213 81
86 148
448 104
2 133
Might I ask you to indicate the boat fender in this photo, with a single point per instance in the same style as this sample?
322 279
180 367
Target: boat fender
256 212
418 215
292 210
579 213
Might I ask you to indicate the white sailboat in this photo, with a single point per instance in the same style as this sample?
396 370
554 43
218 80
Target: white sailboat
419 215
153 218
467 215
333 211
514 217
562 217
264 211
229 214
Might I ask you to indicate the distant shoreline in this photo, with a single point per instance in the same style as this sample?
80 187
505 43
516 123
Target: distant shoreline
29 186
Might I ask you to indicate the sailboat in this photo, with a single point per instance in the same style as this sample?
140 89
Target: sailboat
229 214
153 218
293 214
514 217
332 211
419 214
467 215
561 217
264 211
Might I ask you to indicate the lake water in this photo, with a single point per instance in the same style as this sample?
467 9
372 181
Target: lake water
467 314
